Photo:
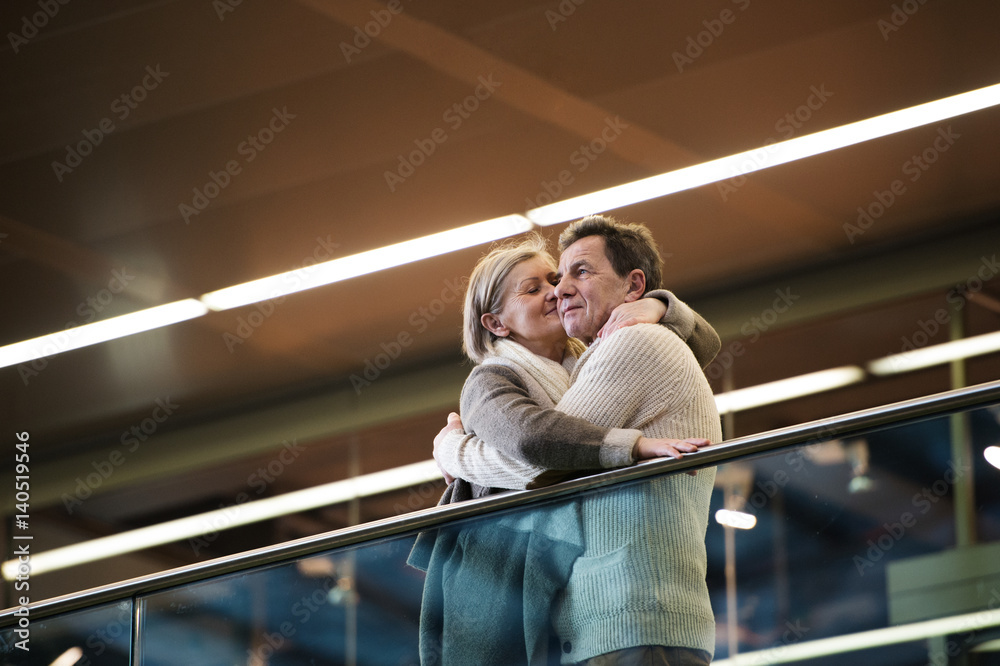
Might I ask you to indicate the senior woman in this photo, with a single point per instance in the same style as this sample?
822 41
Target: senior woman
489 588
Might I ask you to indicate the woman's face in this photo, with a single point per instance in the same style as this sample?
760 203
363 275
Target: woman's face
529 310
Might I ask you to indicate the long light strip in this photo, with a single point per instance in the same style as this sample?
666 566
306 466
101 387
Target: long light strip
765 157
786 389
101 331
363 263
936 354
225 518
866 640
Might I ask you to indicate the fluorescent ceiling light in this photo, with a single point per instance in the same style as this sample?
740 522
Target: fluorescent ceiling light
936 354
363 263
225 518
100 331
737 519
786 389
765 157
992 455
865 640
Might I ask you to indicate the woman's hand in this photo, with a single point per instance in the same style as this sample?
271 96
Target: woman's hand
454 423
647 447
642 311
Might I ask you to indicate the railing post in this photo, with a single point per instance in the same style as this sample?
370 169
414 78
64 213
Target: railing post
961 448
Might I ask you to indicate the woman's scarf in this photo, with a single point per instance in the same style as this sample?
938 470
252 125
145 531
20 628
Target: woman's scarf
551 376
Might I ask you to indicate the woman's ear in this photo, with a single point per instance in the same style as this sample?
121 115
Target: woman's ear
492 323
636 285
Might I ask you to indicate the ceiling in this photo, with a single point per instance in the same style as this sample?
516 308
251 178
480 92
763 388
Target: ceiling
227 141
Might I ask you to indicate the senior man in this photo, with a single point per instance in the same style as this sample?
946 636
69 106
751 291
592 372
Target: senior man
637 594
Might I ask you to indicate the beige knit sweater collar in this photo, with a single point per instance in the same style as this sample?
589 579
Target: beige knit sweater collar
551 376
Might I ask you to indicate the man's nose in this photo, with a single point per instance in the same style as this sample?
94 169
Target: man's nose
564 289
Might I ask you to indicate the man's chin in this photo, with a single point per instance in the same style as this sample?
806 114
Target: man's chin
575 329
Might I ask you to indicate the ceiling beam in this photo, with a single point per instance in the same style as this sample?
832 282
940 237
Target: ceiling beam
321 415
76 261
73 260
533 95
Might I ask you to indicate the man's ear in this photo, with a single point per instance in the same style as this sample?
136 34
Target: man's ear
492 323
636 284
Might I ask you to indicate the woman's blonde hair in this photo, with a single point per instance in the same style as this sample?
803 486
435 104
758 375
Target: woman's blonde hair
486 291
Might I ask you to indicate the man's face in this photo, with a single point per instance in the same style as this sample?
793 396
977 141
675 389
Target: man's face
588 289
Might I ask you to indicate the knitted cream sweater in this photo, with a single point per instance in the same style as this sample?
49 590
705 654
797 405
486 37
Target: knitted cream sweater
641 580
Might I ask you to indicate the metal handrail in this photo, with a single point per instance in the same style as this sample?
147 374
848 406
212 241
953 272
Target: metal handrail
852 423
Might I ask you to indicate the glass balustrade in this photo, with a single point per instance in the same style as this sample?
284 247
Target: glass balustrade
98 635
878 546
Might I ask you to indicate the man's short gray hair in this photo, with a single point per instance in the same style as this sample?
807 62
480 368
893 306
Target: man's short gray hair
627 246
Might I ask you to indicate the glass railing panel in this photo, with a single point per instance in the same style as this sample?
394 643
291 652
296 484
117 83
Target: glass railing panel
100 635
880 547
355 605
859 535
837 561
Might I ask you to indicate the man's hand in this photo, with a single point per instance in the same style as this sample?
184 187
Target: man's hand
642 311
454 423
646 447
